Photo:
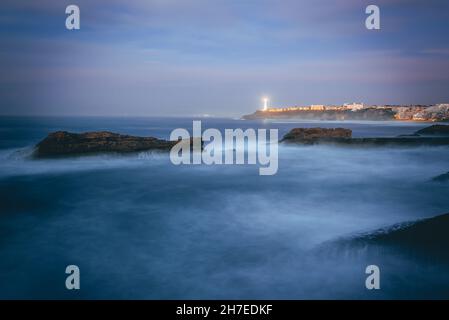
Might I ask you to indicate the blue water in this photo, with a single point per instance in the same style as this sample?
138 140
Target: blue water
140 227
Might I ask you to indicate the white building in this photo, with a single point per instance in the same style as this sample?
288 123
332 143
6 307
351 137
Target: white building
354 106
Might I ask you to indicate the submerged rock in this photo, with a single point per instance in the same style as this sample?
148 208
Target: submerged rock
441 178
62 143
435 130
429 237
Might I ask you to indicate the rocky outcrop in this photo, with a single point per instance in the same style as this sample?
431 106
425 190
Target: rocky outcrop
340 136
63 143
435 130
310 135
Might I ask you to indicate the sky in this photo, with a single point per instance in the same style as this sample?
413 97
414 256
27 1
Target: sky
218 57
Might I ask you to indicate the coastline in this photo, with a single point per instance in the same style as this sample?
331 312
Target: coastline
360 112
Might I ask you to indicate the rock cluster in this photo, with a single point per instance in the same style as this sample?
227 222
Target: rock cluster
341 136
62 143
314 134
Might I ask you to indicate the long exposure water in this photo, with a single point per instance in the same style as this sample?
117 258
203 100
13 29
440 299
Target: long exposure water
141 227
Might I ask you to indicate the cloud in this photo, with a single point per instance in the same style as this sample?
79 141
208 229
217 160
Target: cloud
201 56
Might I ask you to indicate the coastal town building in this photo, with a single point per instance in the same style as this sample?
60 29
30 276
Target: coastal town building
354 106
317 107
437 112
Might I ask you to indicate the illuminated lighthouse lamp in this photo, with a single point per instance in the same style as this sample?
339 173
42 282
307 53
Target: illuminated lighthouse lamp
265 103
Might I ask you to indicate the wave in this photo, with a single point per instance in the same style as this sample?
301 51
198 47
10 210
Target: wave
20 161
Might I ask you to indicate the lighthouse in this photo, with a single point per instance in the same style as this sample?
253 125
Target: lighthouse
265 103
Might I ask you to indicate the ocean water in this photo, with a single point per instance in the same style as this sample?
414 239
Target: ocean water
143 228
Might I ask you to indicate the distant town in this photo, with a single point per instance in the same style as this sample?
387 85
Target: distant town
355 111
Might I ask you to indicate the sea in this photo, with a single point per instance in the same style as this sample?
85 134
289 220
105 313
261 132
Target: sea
140 227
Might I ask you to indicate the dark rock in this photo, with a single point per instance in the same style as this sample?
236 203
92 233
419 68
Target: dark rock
426 235
310 135
62 143
441 178
435 130
340 136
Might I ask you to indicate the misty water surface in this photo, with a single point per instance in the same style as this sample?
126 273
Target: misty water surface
140 227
